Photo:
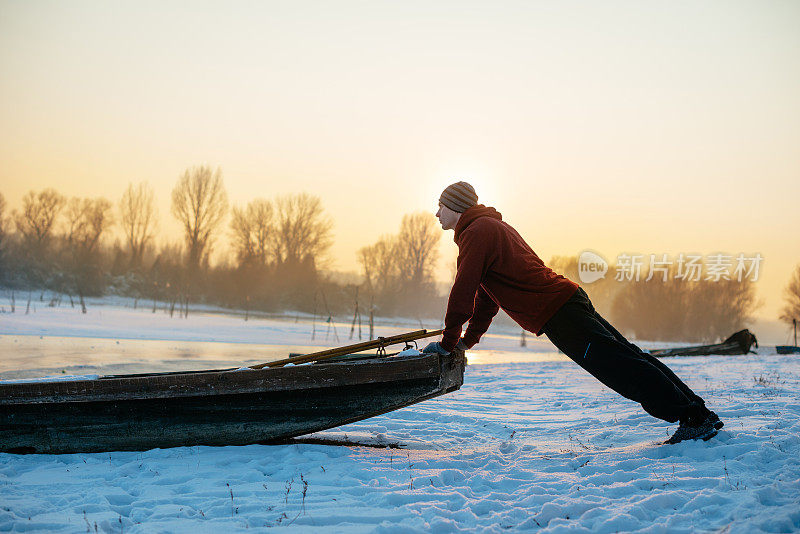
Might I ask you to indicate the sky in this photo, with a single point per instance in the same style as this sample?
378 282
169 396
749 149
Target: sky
620 127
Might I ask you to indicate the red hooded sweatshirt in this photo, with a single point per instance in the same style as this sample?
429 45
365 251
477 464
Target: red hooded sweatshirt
497 269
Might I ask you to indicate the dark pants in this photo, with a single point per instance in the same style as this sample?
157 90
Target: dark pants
591 342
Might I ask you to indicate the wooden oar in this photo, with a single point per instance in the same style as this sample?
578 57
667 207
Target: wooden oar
349 349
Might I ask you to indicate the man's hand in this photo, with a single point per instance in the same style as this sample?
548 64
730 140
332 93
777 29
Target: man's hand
435 348
461 345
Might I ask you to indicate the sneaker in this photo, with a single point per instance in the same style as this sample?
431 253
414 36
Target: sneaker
715 420
704 430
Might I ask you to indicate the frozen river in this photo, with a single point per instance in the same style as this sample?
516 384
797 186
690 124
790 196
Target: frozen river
30 356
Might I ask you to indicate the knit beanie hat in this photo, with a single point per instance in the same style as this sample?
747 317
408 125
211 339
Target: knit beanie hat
459 197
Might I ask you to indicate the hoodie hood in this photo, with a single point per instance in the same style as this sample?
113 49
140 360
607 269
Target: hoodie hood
472 214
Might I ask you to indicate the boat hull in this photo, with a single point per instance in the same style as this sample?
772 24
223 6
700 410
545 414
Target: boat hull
215 408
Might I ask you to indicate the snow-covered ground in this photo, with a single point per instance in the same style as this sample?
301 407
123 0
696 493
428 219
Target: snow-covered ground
530 442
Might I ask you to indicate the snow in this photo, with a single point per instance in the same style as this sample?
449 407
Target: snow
530 442
51 378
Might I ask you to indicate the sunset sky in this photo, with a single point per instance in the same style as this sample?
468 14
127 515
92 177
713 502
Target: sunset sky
649 127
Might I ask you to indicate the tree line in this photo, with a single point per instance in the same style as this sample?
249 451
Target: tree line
700 310
277 248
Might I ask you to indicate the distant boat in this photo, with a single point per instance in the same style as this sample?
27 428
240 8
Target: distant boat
216 407
790 349
739 343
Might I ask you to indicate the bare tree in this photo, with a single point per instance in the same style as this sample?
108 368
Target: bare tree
367 258
199 202
38 217
87 219
656 310
379 262
722 307
417 249
3 269
302 229
2 221
398 270
138 219
253 231
791 295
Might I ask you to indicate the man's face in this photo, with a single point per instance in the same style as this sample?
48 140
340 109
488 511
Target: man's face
447 217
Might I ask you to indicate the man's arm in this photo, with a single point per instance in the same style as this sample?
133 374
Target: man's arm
473 262
484 311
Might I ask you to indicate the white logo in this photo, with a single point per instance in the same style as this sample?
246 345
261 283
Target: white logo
591 267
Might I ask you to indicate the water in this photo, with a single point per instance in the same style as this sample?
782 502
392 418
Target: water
31 356
485 357
24 356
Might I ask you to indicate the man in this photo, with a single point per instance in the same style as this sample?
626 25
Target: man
496 268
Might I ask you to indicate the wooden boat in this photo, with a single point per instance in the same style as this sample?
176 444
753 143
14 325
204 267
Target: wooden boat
216 407
739 343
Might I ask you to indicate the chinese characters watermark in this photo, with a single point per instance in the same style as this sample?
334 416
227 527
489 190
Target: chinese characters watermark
687 267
